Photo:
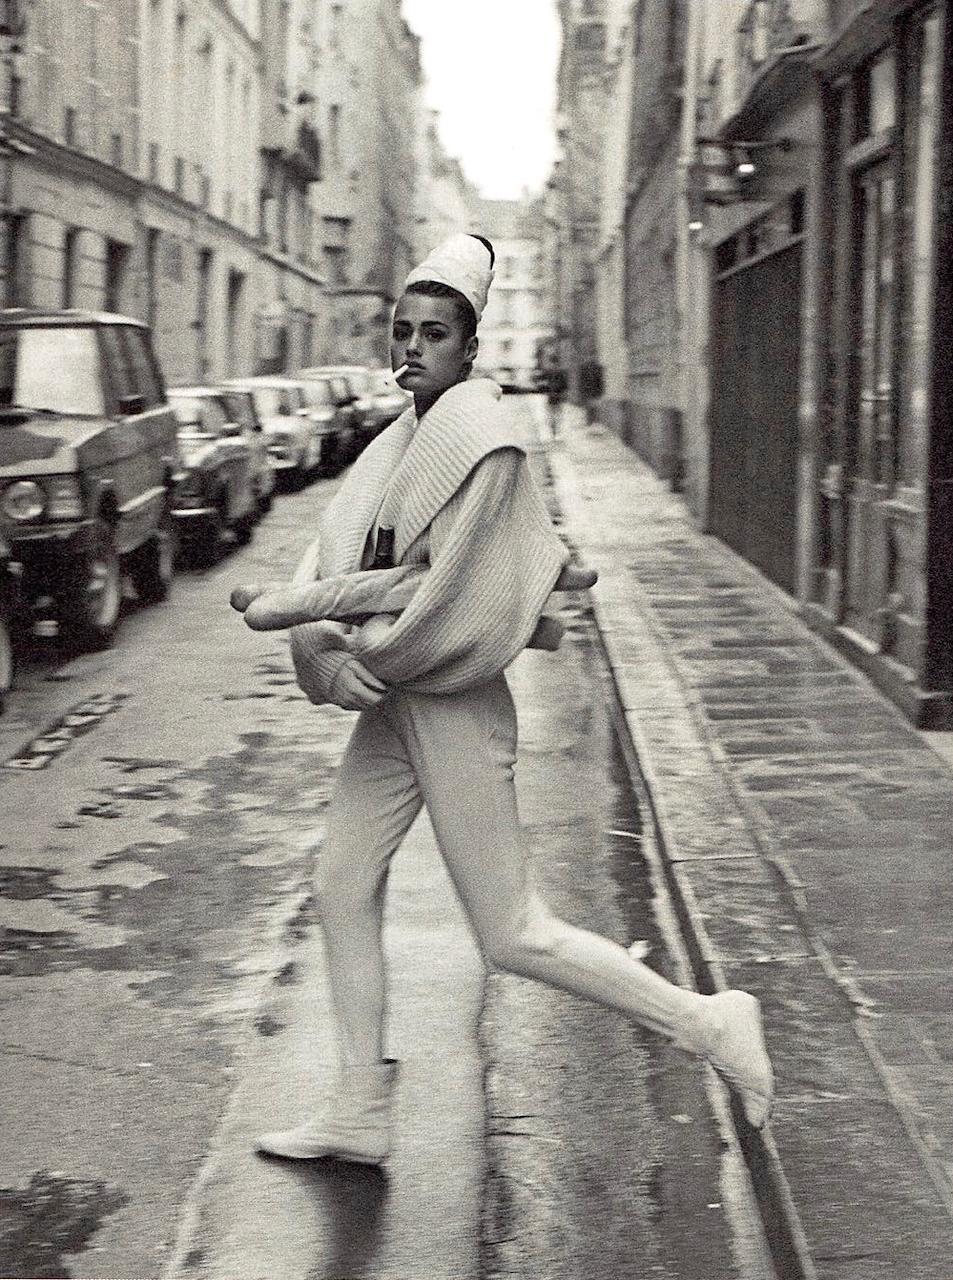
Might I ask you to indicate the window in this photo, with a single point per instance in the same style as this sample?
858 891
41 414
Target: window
153 162
69 126
241 409
203 413
152 276
117 259
336 259
116 150
334 134
28 355
317 393
143 370
877 97
70 265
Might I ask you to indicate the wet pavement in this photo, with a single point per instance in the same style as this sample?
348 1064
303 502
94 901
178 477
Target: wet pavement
806 831
163 996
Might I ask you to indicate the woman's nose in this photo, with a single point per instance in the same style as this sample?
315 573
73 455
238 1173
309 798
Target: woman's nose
413 344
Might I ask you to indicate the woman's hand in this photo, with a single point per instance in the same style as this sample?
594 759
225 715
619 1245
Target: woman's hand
354 688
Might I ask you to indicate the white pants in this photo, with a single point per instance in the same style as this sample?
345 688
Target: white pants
455 753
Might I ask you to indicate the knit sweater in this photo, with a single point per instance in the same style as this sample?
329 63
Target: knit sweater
457 490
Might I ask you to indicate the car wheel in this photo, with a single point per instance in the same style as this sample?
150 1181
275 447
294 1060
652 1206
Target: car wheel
244 528
153 566
91 602
6 660
203 550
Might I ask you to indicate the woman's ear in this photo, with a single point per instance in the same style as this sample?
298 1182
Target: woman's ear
471 349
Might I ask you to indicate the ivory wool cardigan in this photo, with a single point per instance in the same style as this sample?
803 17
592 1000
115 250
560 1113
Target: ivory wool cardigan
456 488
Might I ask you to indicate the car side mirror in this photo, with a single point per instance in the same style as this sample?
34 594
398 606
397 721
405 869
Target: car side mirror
132 404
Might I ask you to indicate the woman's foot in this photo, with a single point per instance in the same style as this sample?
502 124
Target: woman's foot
736 1048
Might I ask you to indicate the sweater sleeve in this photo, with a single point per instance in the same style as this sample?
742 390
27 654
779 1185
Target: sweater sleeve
494 559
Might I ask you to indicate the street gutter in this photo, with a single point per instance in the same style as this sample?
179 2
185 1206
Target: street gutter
782 1224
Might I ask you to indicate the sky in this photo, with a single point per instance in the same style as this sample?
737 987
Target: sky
490 67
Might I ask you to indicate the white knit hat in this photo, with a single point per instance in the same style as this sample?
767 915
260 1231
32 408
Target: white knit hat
463 263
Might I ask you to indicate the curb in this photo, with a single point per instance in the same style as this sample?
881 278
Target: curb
783 1228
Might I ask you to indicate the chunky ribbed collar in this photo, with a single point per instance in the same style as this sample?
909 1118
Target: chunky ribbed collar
414 468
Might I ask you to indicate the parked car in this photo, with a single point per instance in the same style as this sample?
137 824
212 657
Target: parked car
294 438
330 398
87 452
215 481
240 406
390 399
9 608
353 396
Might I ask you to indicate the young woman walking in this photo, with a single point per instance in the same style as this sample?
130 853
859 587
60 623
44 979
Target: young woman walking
436 558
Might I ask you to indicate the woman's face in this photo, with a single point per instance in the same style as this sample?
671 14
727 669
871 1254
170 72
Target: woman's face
428 337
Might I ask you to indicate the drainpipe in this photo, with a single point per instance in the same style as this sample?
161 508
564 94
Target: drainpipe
694 449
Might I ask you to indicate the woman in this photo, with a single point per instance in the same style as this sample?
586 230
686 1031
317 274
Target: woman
445 496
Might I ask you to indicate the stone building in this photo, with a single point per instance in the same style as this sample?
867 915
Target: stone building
371 100
290 311
647 246
130 188
240 173
515 331
611 335
801 211
575 189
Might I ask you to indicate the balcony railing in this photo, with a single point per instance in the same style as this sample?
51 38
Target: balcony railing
769 26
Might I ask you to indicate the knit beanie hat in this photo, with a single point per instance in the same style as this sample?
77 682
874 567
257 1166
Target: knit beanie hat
463 263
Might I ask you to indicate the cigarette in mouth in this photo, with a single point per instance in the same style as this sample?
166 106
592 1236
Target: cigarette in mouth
398 373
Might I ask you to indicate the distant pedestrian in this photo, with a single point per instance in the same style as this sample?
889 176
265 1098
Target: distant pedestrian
444 499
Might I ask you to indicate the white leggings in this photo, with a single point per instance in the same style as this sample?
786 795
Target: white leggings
455 753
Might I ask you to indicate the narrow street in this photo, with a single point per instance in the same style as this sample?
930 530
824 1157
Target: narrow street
163 993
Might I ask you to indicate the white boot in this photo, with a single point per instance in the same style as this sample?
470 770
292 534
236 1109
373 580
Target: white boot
734 1045
357 1125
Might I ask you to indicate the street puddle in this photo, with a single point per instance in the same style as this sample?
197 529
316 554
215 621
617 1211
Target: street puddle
49 1219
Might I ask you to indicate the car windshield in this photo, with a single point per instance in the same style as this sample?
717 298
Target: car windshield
274 402
318 392
240 408
187 410
360 380
56 369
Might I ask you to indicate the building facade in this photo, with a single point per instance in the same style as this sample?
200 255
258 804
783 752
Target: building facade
576 186
611 332
129 187
799 215
242 174
515 332
371 103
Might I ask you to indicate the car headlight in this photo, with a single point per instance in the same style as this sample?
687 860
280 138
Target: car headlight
23 500
64 498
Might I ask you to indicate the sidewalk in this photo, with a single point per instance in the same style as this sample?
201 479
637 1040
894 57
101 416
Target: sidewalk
806 831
